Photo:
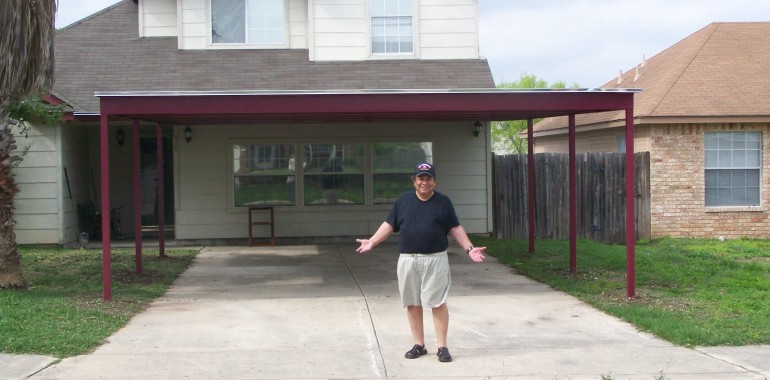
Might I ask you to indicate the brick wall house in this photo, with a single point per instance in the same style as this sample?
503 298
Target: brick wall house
704 116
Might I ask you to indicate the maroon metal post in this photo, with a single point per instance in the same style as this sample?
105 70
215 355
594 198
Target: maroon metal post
531 184
137 200
572 198
161 203
630 201
104 143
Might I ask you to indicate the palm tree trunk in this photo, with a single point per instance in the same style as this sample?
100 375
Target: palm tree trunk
26 66
11 275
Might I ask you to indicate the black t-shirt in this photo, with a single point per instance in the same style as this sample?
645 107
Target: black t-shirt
423 226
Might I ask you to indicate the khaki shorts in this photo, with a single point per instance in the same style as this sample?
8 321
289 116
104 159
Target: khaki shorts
423 279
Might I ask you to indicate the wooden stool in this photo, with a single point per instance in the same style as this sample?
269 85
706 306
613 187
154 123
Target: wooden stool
252 223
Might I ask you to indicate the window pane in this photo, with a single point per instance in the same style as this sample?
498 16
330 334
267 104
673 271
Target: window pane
752 159
263 190
387 187
263 174
334 189
711 179
711 158
752 178
711 199
391 8
723 179
723 197
753 140
378 44
393 164
266 21
725 159
228 21
738 179
405 46
405 26
274 36
405 8
391 45
711 140
724 140
752 196
378 8
739 158
739 140
334 174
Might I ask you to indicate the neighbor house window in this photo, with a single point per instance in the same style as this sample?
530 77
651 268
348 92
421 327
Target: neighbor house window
392 30
393 165
256 22
263 174
620 143
733 161
333 174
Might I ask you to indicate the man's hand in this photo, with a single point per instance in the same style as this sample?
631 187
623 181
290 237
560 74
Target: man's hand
366 245
477 254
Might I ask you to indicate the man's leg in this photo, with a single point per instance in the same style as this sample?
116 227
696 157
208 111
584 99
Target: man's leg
414 314
441 323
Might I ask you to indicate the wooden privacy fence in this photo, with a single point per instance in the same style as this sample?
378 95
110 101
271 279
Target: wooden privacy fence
601 209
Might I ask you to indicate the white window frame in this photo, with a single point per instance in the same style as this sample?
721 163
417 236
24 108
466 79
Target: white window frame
725 160
300 169
247 44
401 55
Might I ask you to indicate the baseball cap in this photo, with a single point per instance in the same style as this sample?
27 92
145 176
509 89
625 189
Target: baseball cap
424 168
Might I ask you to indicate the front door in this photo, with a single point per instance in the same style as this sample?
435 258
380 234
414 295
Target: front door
148 164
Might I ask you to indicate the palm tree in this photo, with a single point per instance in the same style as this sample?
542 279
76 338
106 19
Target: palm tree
26 66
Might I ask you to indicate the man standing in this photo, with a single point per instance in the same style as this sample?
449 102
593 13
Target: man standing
424 219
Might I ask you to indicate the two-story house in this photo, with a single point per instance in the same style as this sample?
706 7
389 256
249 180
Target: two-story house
185 113
325 176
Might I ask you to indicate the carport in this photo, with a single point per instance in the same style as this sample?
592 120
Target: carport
345 106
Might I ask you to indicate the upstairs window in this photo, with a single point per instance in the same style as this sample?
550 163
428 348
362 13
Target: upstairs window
392 26
733 164
253 22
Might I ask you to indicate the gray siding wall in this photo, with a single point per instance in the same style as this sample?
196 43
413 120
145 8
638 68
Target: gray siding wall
203 204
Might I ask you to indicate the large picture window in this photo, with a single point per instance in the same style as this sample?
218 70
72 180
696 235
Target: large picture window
733 162
323 174
255 22
392 29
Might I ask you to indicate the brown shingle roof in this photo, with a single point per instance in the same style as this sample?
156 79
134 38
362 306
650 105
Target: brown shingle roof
720 70
105 53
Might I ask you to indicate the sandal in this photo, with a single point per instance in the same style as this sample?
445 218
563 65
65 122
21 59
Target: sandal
443 355
415 352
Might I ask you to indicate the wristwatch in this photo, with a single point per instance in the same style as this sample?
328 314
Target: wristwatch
469 250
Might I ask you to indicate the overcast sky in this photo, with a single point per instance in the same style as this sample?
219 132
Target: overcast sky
584 42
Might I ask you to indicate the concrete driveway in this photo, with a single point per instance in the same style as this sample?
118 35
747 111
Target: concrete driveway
326 312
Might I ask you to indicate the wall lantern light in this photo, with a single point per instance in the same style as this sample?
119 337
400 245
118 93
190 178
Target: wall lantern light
188 134
120 136
476 128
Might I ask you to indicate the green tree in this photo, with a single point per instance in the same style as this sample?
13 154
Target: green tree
506 134
26 66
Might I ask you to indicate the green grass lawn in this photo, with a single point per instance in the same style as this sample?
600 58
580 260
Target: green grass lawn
691 292
62 313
